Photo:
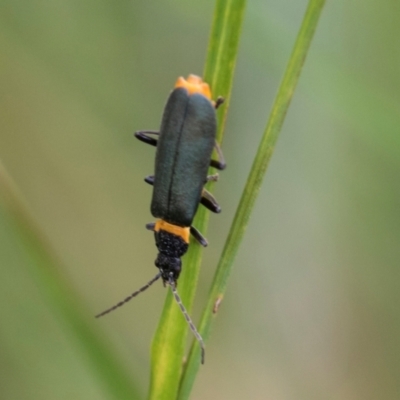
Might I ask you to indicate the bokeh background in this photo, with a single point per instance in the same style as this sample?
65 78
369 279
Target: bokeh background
312 308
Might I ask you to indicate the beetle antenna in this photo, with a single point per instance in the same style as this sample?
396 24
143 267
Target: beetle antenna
130 297
188 319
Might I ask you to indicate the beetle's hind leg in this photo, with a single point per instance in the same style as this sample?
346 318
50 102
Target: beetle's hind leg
143 136
208 201
220 163
198 236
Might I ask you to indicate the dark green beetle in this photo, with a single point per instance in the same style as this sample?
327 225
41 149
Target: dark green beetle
184 147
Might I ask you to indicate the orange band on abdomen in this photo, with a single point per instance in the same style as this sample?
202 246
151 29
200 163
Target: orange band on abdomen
183 232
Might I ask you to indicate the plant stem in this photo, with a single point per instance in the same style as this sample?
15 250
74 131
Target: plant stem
254 181
168 346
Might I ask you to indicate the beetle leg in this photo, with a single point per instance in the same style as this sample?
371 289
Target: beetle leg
208 201
150 226
143 136
198 236
220 100
149 179
212 178
220 163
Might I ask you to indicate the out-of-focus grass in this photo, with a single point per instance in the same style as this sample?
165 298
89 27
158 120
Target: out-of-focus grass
42 265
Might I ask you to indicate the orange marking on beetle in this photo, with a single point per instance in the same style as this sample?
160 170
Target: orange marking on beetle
194 84
183 232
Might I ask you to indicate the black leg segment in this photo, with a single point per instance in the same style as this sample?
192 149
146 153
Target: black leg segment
150 226
220 163
220 100
198 236
144 137
208 201
149 179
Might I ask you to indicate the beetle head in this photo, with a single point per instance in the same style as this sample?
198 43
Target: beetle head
170 267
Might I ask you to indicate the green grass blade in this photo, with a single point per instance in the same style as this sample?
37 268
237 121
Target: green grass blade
254 181
46 271
222 52
169 342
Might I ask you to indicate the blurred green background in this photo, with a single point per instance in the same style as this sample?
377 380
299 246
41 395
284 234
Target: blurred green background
312 309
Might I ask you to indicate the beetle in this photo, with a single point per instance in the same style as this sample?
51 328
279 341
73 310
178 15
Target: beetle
185 145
